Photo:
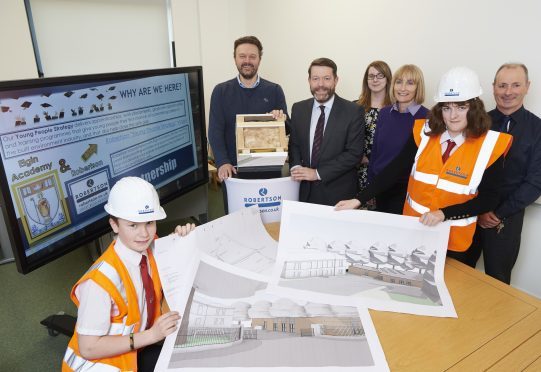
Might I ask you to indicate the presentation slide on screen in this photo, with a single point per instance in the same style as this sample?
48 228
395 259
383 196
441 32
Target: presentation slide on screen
64 147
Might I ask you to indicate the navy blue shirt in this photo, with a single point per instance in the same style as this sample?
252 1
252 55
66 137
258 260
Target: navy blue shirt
229 99
522 167
392 132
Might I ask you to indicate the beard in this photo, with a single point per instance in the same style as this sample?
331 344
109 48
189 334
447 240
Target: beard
247 71
322 94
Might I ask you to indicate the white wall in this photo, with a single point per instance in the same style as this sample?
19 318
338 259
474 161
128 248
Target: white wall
17 58
86 37
435 35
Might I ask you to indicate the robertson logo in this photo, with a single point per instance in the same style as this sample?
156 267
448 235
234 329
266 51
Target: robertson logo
456 173
264 200
146 210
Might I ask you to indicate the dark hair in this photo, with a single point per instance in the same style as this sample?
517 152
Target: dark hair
365 99
248 40
325 62
479 121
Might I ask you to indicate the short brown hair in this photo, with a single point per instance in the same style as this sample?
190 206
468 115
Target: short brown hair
366 94
415 73
479 121
325 62
248 40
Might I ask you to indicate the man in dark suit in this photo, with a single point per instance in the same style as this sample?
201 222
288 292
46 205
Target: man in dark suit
327 139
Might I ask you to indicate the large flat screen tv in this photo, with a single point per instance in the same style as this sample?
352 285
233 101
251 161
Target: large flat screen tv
65 141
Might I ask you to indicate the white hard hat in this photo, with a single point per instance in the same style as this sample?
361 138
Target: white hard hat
457 85
135 200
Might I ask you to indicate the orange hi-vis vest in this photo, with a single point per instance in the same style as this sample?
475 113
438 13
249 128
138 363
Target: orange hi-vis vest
434 185
110 273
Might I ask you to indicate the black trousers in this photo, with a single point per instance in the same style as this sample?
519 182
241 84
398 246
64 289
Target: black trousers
148 356
500 250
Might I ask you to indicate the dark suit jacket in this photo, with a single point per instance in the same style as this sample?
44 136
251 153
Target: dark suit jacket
340 154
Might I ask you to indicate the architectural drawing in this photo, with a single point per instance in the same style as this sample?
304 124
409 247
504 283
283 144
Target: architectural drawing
231 320
388 265
384 261
239 240
252 332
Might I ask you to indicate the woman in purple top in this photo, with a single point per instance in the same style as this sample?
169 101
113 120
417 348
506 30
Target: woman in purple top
375 94
395 123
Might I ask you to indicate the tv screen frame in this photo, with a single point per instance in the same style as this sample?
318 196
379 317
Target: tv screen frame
148 123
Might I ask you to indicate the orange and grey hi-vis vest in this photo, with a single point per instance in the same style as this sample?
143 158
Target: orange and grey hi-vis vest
110 273
434 185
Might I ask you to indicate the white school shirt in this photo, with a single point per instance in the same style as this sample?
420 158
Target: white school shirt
459 140
95 304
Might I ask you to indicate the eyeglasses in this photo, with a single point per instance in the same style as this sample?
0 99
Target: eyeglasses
376 76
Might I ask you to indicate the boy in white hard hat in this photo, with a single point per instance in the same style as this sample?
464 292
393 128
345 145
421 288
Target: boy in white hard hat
119 298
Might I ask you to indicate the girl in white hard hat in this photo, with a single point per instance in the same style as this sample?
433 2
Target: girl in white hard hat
119 298
457 161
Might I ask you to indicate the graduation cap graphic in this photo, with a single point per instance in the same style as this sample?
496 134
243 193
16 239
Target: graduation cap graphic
68 94
46 105
26 104
111 87
45 94
5 108
93 88
84 95
100 96
112 97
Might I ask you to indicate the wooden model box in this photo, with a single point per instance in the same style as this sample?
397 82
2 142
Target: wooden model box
260 133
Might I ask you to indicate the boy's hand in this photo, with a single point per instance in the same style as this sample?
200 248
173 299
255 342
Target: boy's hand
184 230
165 325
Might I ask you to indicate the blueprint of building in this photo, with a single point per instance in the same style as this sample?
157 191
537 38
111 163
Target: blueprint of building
382 261
239 240
256 329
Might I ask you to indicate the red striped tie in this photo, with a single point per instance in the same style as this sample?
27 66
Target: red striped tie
148 285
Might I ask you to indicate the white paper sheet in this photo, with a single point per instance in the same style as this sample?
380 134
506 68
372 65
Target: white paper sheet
383 261
240 240
232 321
261 331
178 260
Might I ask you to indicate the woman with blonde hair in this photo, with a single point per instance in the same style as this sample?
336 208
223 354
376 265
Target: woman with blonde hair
395 123
375 94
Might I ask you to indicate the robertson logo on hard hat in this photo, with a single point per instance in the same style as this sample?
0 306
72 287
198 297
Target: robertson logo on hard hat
451 93
146 210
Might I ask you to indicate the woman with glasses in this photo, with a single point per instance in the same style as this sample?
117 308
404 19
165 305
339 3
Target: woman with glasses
455 163
395 123
374 95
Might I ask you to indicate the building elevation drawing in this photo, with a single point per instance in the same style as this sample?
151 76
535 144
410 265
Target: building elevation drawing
383 261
